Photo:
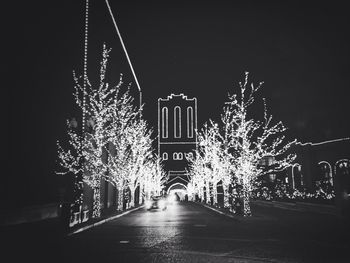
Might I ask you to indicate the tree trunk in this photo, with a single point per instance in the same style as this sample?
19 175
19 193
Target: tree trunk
96 208
141 194
246 204
208 193
132 197
226 196
120 199
203 194
146 193
215 193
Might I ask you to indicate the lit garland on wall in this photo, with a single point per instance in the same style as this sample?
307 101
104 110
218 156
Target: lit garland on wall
324 192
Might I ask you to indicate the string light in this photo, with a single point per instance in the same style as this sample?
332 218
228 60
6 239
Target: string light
233 152
117 147
280 191
85 62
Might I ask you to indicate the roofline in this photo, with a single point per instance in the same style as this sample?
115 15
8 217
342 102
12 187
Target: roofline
324 142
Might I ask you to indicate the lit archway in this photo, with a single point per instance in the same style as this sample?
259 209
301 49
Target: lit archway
179 189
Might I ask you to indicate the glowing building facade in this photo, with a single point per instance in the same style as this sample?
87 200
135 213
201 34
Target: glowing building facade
177 139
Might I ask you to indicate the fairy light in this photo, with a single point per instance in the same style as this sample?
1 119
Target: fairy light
210 165
281 191
109 110
233 152
85 62
117 130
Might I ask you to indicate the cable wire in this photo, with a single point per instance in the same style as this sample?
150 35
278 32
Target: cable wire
125 51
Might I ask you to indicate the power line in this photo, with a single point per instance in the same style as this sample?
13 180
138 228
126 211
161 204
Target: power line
125 51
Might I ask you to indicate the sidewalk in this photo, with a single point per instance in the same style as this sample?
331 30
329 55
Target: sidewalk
54 228
103 219
227 213
299 206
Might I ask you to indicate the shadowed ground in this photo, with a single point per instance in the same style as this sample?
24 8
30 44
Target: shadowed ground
188 232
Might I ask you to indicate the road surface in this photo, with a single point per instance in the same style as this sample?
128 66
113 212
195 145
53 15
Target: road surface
189 232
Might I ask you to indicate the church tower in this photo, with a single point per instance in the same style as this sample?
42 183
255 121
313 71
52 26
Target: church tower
177 139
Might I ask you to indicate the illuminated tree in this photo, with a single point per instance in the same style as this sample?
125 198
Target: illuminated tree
153 178
211 163
249 141
139 151
198 175
113 124
70 160
233 152
118 143
100 107
159 176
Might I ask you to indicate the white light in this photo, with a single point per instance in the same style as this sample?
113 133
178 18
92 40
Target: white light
161 204
148 204
171 198
232 153
118 130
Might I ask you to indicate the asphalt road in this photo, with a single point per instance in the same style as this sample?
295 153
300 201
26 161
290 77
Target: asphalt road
188 232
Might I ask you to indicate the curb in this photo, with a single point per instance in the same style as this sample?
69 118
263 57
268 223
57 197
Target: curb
104 221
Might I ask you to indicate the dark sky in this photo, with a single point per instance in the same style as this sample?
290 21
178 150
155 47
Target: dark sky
200 48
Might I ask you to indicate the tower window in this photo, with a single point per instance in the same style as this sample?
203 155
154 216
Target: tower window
165 122
189 122
177 122
165 156
177 156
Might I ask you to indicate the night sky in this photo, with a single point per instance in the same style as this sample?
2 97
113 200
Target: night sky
199 48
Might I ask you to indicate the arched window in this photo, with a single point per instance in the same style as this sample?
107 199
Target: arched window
177 122
177 156
342 167
324 172
342 171
297 176
165 156
189 122
165 122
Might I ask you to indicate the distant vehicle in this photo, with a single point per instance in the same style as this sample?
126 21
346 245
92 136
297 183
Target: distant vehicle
156 202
